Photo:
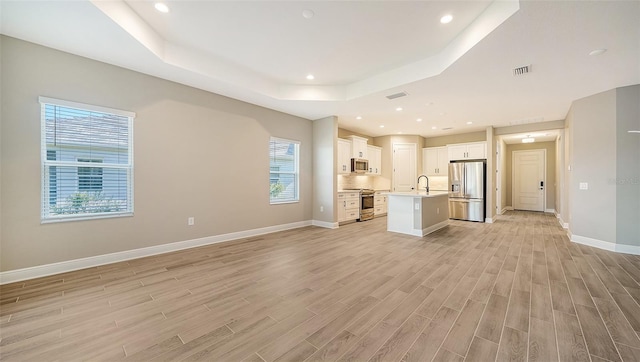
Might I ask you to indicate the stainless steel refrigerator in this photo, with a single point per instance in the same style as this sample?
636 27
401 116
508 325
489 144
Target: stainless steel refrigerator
467 190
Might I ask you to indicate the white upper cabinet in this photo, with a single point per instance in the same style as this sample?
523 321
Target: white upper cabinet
344 156
435 161
358 147
468 151
374 155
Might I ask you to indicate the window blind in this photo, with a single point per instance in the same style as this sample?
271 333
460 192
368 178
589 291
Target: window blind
87 161
283 170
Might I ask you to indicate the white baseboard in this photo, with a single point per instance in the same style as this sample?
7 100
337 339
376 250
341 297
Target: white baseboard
551 211
435 227
601 244
488 220
325 224
17 275
564 225
506 208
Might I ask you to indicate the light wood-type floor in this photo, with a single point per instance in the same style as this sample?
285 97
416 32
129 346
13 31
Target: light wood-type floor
513 290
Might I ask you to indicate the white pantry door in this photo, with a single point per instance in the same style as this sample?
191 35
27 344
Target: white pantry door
529 180
404 167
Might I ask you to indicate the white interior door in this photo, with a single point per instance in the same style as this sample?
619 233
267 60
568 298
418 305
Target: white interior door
529 180
404 166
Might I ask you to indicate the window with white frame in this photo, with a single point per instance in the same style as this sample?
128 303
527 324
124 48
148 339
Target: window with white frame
87 161
284 165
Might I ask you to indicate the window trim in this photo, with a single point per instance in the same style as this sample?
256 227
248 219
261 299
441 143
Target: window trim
296 172
45 164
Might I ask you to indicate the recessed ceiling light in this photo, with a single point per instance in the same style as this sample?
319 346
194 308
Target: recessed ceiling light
359 117
528 139
161 7
469 122
419 120
310 77
446 19
434 127
382 126
308 13
597 52
399 132
399 109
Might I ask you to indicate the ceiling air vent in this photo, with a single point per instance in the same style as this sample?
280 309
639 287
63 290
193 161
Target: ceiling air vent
447 128
522 70
397 95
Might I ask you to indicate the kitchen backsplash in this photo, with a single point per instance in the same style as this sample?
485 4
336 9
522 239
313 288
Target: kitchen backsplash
436 183
363 182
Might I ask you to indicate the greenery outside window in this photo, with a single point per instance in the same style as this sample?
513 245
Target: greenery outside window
284 164
87 161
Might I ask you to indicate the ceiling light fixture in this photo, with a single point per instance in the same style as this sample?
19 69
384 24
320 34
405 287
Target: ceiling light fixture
382 126
469 122
597 52
161 7
310 77
399 132
419 120
434 127
359 117
446 19
528 139
308 13
399 109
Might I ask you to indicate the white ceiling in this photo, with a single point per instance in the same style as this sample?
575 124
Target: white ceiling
359 52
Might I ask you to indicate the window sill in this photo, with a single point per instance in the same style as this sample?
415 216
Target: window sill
84 217
284 202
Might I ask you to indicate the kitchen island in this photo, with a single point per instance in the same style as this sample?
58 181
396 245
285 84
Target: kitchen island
417 213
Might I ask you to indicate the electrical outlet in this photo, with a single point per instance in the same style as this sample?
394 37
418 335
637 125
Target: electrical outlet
584 186
417 206
321 208
191 221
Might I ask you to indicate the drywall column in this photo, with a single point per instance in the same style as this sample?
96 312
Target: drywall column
565 212
490 197
593 210
325 150
627 181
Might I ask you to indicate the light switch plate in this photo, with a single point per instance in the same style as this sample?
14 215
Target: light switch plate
584 186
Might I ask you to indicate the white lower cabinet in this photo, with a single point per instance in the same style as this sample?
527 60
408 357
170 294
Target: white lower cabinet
380 203
348 206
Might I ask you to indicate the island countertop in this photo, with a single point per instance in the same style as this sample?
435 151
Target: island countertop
419 193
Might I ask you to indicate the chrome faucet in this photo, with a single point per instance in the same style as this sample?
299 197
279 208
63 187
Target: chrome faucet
425 176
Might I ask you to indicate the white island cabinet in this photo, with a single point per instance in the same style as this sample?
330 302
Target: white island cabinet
417 213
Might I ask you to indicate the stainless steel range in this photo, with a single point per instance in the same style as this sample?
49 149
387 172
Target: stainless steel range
366 203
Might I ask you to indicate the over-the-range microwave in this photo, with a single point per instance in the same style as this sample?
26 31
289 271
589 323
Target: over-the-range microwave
359 165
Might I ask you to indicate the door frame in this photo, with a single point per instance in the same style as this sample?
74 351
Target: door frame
393 161
499 172
544 176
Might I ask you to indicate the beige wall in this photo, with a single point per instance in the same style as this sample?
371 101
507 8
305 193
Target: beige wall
455 138
195 154
593 155
627 180
550 147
